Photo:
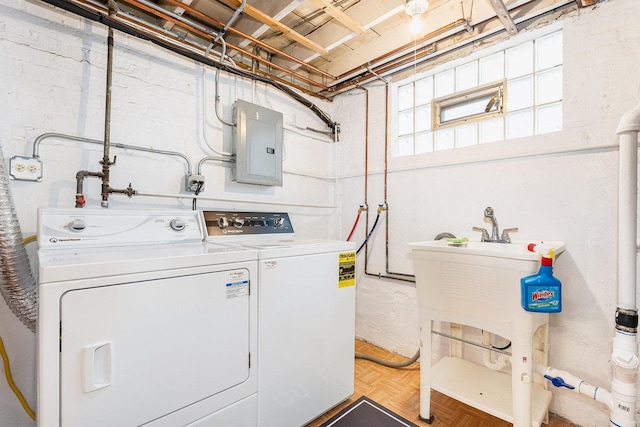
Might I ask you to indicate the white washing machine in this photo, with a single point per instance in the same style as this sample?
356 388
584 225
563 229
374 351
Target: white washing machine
141 323
306 315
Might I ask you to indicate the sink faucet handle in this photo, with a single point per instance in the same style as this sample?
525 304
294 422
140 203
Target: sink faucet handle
505 233
485 234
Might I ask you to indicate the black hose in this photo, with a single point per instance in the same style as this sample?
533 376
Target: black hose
368 235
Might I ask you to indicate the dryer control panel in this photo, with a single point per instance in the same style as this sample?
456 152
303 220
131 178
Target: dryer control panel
232 223
78 228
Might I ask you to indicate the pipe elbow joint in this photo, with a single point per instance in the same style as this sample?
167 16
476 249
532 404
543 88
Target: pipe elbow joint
630 121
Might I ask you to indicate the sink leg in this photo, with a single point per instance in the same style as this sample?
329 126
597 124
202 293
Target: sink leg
522 375
425 370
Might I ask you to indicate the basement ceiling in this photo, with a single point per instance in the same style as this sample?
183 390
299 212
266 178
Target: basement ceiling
318 47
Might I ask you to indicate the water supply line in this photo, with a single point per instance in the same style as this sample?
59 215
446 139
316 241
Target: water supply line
381 209
389 274
366 185
106 162
355 223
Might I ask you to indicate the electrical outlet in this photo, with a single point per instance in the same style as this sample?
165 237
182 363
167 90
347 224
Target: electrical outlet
194 183
25 168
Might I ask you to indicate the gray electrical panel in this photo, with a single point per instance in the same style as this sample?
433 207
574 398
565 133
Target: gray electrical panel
257 144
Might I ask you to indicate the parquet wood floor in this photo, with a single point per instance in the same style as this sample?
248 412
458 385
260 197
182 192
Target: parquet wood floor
399 390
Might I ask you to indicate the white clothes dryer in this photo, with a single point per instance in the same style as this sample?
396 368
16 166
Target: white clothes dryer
306 312
141 323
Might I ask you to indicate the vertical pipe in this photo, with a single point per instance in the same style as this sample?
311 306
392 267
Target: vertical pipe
624 357
106 162
627 214
366 159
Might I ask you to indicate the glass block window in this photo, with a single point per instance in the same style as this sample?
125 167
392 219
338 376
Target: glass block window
531 73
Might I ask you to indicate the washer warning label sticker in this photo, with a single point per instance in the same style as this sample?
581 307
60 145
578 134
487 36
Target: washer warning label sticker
347 270
238 284
237 289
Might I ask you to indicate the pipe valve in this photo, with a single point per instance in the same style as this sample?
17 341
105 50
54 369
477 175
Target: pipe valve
559 382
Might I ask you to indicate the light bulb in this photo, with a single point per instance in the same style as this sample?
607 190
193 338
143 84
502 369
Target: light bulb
416 24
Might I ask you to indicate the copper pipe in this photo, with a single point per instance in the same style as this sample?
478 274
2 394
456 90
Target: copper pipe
410 57
206 35
366 145
133 23
212 21
407 46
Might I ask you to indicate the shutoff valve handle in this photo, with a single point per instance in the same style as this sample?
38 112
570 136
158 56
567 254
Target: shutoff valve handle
559 382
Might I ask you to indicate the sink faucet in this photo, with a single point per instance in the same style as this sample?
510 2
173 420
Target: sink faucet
495 231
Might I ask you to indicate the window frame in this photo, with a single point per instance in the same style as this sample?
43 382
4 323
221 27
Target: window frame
497 89
427 144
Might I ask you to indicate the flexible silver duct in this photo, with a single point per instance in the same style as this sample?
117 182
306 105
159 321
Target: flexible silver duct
17 284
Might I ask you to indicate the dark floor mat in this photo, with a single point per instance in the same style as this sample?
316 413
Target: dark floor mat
364 412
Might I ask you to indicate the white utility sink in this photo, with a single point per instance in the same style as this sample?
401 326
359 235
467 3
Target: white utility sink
477 284
514 250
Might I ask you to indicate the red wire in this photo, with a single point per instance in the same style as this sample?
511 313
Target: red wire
354 227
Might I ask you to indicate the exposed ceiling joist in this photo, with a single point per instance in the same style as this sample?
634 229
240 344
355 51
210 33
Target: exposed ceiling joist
339 16
265 41
276 25
504 16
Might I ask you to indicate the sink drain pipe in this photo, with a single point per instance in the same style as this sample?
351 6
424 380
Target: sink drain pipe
624 356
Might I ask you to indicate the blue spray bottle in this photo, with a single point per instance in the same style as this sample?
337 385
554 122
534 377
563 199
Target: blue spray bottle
542 292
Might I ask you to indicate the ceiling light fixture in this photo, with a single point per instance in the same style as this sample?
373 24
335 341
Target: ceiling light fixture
415 9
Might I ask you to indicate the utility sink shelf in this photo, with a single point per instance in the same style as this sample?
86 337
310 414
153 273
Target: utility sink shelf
484 389
478 284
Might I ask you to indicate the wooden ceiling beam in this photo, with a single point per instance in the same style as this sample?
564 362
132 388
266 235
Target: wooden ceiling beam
337 14
275 25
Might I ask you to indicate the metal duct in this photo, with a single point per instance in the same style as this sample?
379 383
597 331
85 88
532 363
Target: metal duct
17 284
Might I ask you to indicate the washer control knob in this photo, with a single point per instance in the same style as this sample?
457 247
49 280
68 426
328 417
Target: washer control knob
223 222
77 225
279 222
177 224
238 222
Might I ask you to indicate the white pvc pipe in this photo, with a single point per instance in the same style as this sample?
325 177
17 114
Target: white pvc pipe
502 359
624 356
627 131
579 386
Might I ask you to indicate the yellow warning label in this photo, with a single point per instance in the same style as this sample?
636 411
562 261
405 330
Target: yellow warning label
347 270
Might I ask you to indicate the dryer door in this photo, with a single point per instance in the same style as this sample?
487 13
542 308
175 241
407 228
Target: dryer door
134 352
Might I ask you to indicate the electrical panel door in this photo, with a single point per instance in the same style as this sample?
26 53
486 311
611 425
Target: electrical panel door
257 141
